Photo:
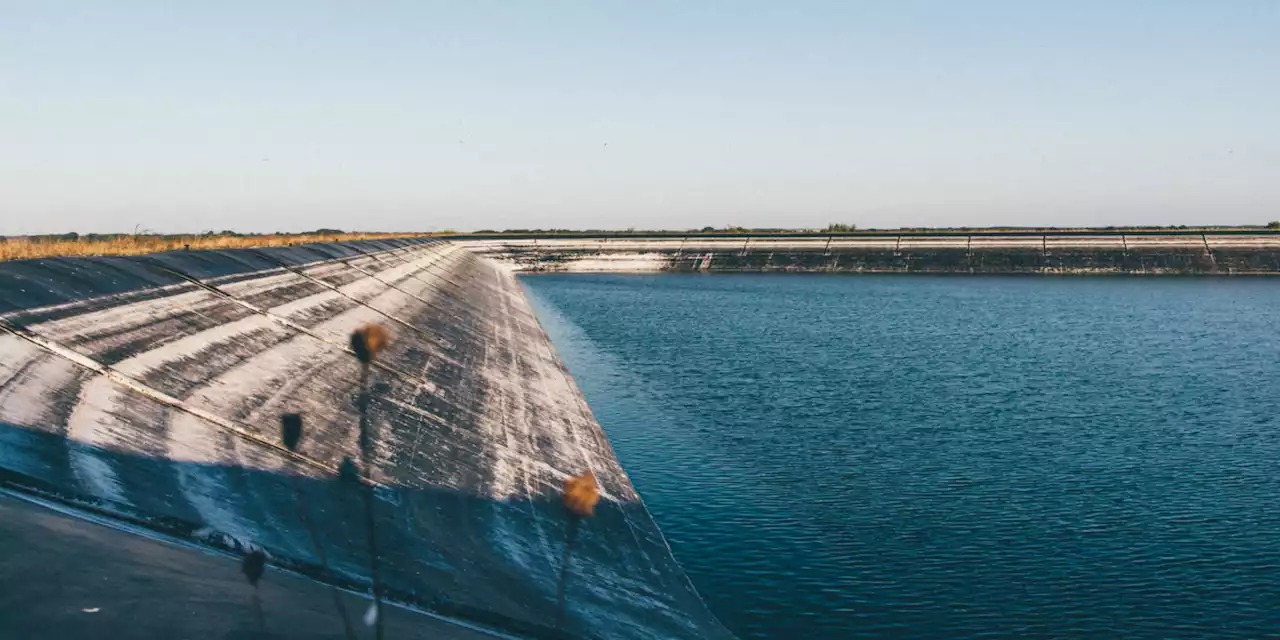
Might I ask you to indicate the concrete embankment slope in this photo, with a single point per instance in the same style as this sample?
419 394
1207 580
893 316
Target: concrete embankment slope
1145 253
150 388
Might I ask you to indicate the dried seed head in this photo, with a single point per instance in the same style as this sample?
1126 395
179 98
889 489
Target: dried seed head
254 564
368 340
347 472
581 495
291 430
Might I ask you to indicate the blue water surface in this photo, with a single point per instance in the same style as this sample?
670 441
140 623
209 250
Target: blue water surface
943 457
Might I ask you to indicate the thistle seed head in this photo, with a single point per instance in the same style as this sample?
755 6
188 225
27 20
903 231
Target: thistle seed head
581 495
368 341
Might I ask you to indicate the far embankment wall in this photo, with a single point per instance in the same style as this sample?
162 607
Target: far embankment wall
1021 253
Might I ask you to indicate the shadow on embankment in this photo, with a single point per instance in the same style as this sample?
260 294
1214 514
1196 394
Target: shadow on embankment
471 557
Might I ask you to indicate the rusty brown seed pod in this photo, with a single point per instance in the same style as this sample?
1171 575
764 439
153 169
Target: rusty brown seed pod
368 340
581 495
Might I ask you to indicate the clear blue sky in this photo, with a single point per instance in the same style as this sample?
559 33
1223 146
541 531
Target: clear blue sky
414 115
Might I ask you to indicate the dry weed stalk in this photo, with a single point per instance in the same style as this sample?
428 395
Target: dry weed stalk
253 566
581 494
291 434
367 343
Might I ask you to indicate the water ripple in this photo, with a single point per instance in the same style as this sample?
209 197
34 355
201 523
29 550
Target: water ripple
947 457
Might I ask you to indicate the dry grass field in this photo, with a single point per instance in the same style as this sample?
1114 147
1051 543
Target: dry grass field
121 245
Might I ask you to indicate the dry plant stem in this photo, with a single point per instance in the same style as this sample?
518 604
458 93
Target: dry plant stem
581 495
258 613
570 537
366 455
363 405
373 559
253 566
347 630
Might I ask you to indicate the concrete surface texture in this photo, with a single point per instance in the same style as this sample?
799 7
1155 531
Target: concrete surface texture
151 388
1117 253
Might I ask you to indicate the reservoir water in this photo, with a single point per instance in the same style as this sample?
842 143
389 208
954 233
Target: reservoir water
943 457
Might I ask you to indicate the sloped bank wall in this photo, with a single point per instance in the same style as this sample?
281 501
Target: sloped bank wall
151 387
1067 253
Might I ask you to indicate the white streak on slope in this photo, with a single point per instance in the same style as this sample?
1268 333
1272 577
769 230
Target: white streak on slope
91 426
